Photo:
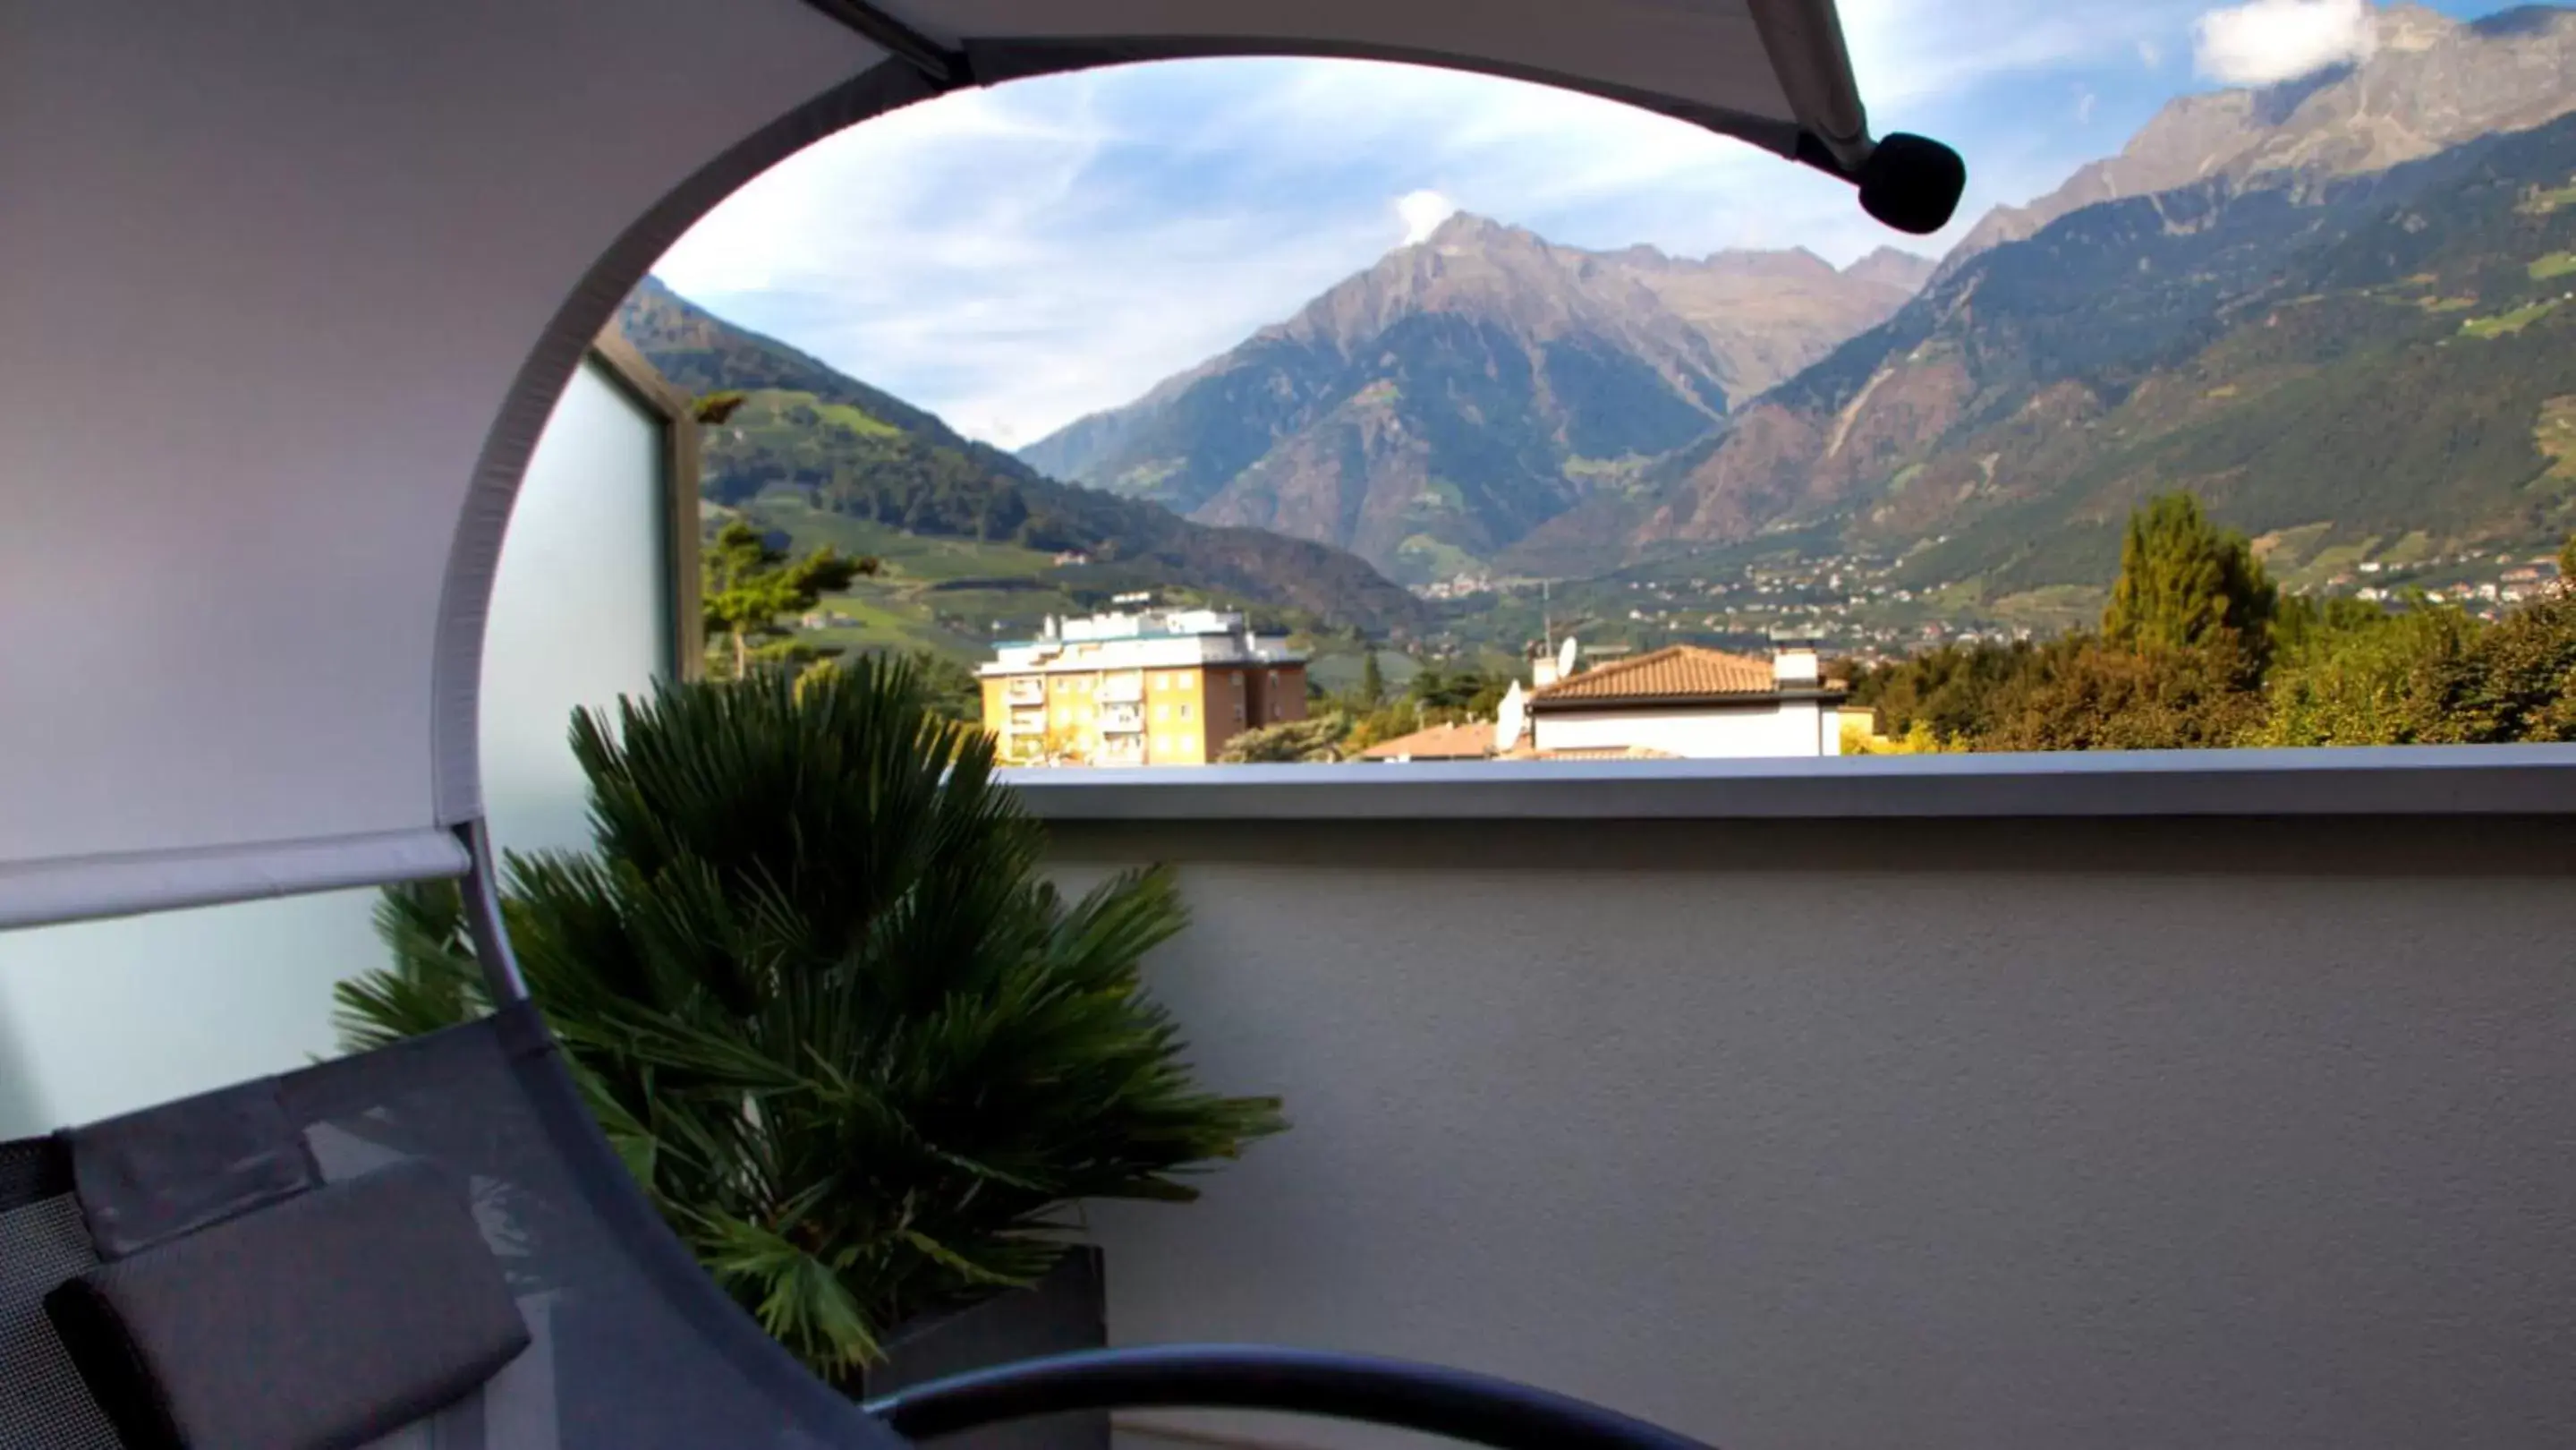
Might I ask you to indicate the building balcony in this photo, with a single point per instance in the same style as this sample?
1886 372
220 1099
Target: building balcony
1125 688
1029 691
1122 719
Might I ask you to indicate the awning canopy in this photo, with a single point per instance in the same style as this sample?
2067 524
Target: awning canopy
287 291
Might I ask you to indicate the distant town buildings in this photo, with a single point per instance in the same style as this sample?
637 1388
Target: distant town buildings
1138 687
1457 586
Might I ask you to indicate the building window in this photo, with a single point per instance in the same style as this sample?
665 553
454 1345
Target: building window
1162 711
1238 712
1185 712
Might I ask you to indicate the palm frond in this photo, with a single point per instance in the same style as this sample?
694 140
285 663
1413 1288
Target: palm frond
822 1001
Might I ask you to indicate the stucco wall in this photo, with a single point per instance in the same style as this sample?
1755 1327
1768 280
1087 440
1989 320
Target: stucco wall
1787 727
1972 1134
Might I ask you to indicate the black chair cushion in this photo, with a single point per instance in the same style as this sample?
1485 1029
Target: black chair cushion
318 1323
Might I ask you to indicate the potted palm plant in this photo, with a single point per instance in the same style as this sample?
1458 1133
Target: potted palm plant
853 1044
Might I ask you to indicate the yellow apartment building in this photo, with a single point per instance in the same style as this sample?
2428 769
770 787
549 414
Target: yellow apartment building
1152 687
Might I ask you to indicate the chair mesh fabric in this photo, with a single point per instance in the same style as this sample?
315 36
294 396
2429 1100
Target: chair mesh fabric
633 1348
43 1403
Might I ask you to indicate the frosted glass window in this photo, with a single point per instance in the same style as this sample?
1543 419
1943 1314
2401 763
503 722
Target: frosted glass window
580 610
98 1018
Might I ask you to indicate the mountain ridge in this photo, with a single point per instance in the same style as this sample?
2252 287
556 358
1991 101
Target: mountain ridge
1432 408
856 450
2429 83
2354 359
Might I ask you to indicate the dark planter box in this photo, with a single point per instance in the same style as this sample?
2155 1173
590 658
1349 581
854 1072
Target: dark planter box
1060 1313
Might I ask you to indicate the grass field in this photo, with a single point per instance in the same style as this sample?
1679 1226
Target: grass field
2505 324
913 603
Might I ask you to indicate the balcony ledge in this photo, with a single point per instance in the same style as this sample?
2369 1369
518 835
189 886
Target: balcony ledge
2428 780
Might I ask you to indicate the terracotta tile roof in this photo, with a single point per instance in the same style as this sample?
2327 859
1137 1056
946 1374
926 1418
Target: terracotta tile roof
1675 672
1604 752
1440 742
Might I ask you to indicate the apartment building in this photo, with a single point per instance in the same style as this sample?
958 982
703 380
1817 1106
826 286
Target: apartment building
1147 687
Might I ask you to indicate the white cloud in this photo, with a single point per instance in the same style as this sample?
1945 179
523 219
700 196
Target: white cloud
2263 41
2084 103
1422 213
2150 54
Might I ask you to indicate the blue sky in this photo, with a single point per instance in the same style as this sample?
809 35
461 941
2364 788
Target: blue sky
1016 257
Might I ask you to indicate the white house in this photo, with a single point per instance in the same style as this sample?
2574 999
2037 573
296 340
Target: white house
1686 701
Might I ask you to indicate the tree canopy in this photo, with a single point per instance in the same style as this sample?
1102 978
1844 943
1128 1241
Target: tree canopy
747 582
2186 583
2197 649
1315 739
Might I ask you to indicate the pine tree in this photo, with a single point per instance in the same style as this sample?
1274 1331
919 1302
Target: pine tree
1372 682
746 583
2186 583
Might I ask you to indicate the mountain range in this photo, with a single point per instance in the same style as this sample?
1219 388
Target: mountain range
1434 409
2332 306
838 448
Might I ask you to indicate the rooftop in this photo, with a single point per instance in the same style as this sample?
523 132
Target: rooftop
1471 741
1676 672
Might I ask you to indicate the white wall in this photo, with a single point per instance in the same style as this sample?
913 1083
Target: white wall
1968 1135
1780 727
105 1017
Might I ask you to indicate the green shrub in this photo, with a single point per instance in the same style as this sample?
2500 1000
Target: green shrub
853 1045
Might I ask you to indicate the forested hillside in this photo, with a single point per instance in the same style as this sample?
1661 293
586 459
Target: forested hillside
807 441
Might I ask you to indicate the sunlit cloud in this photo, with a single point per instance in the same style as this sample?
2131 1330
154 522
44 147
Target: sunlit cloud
1423 212
2264 41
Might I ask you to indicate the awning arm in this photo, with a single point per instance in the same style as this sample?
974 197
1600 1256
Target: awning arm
945 66
1906 181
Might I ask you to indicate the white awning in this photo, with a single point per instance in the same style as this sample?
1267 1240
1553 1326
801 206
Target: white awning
287 290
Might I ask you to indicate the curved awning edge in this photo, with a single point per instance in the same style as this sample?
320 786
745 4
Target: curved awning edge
43 893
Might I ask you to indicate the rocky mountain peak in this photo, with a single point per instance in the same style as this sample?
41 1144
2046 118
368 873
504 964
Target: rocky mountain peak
1893 267
2410 27
2427 83
1465 231
1432 408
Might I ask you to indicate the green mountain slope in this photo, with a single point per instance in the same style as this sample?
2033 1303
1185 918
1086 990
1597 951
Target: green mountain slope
822 455
2347 363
